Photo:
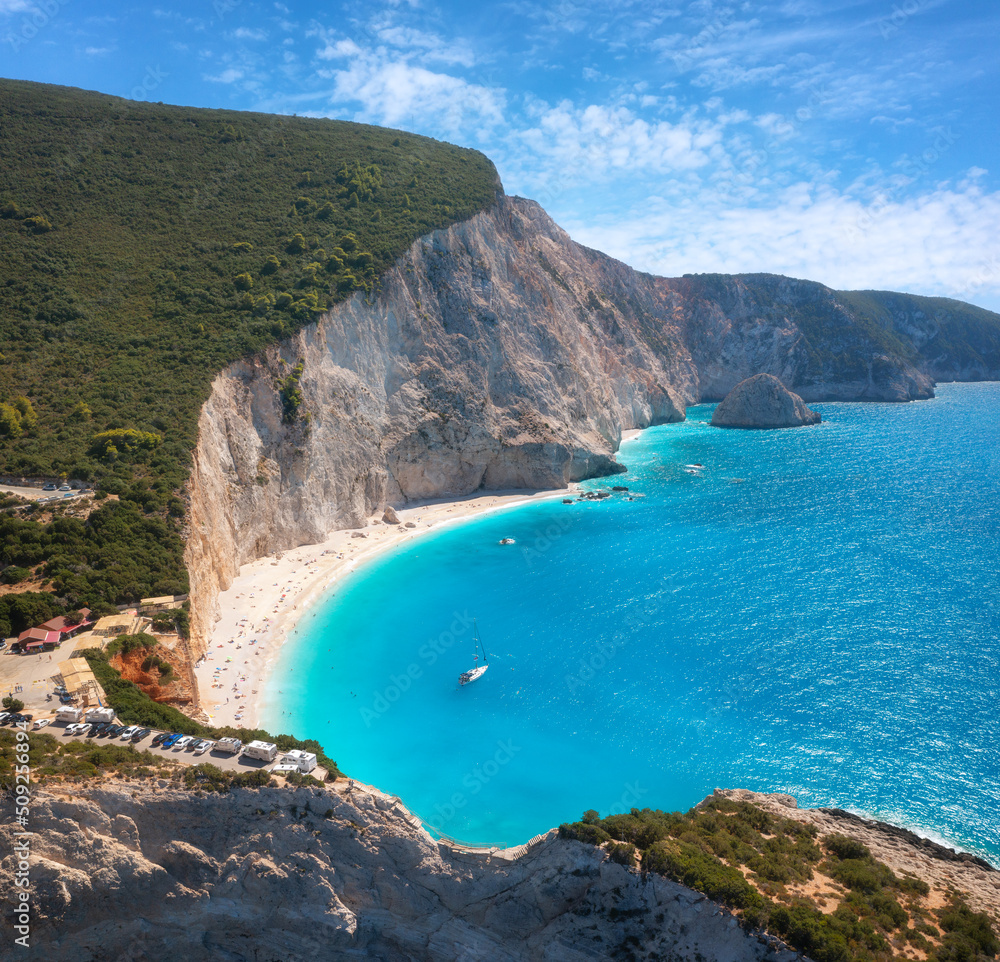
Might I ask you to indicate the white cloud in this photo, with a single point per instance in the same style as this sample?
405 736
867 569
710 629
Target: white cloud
942 242
99 51
9 7
245 33
428 46
585 144
228 76
339 49
389 90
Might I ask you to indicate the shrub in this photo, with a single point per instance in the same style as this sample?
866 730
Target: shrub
28 417
863 875
127 440
10 421
243 282
591 834
10 703
37 224
968 935
694 868
291 394
126 644
843 846
15 575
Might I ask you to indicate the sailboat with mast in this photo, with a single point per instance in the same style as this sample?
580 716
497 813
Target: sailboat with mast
477 671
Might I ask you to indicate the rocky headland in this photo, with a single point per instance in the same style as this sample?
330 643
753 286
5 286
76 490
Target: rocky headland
128 872
762 401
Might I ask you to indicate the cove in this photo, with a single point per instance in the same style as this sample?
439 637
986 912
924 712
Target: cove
813 611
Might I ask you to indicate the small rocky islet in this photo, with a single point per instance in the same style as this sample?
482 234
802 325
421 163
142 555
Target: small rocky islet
763 402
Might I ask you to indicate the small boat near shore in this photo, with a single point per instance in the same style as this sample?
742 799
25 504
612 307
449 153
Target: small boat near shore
467 677
506 541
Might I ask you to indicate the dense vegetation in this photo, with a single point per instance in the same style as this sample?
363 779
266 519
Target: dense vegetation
751 861
49 757
135 707
142 248
122 552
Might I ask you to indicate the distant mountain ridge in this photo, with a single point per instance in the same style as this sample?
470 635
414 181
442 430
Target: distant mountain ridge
831 345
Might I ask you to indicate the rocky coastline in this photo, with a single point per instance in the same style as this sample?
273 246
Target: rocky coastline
125 870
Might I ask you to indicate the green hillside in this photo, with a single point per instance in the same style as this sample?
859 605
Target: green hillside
954 340
143 247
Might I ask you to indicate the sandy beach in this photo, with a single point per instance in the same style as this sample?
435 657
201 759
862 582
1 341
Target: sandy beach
269 595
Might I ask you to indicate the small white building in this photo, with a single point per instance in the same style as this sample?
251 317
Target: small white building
265 751
305 762
284 768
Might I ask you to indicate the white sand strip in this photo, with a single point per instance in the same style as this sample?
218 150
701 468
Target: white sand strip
271 594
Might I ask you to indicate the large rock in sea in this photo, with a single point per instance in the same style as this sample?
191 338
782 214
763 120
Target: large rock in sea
762 401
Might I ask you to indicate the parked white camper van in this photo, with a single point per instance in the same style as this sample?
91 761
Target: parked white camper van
265 751
305 762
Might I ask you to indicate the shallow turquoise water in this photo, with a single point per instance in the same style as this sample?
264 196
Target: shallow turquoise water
816 613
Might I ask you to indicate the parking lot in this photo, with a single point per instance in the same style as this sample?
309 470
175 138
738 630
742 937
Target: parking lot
223 760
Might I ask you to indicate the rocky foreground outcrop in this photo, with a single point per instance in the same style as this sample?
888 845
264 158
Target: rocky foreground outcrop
128 873
762 401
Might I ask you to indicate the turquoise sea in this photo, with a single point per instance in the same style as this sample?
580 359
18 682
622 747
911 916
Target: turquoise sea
815 612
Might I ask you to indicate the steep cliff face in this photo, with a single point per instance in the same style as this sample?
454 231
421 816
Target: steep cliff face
736 326
497 354
955 341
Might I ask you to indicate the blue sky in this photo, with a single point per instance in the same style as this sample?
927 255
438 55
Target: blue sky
853 142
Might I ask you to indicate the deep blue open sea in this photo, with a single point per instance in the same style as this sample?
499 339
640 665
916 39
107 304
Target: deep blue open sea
817 611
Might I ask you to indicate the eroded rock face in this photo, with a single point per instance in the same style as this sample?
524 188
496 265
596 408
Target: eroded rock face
127 874
762 401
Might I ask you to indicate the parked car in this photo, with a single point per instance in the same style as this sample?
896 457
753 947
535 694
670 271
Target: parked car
140 734
49 487
206 744
171 740
183 741
109 730
41 723
4 716
73 728
159 738
65 487
127 734
66 699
